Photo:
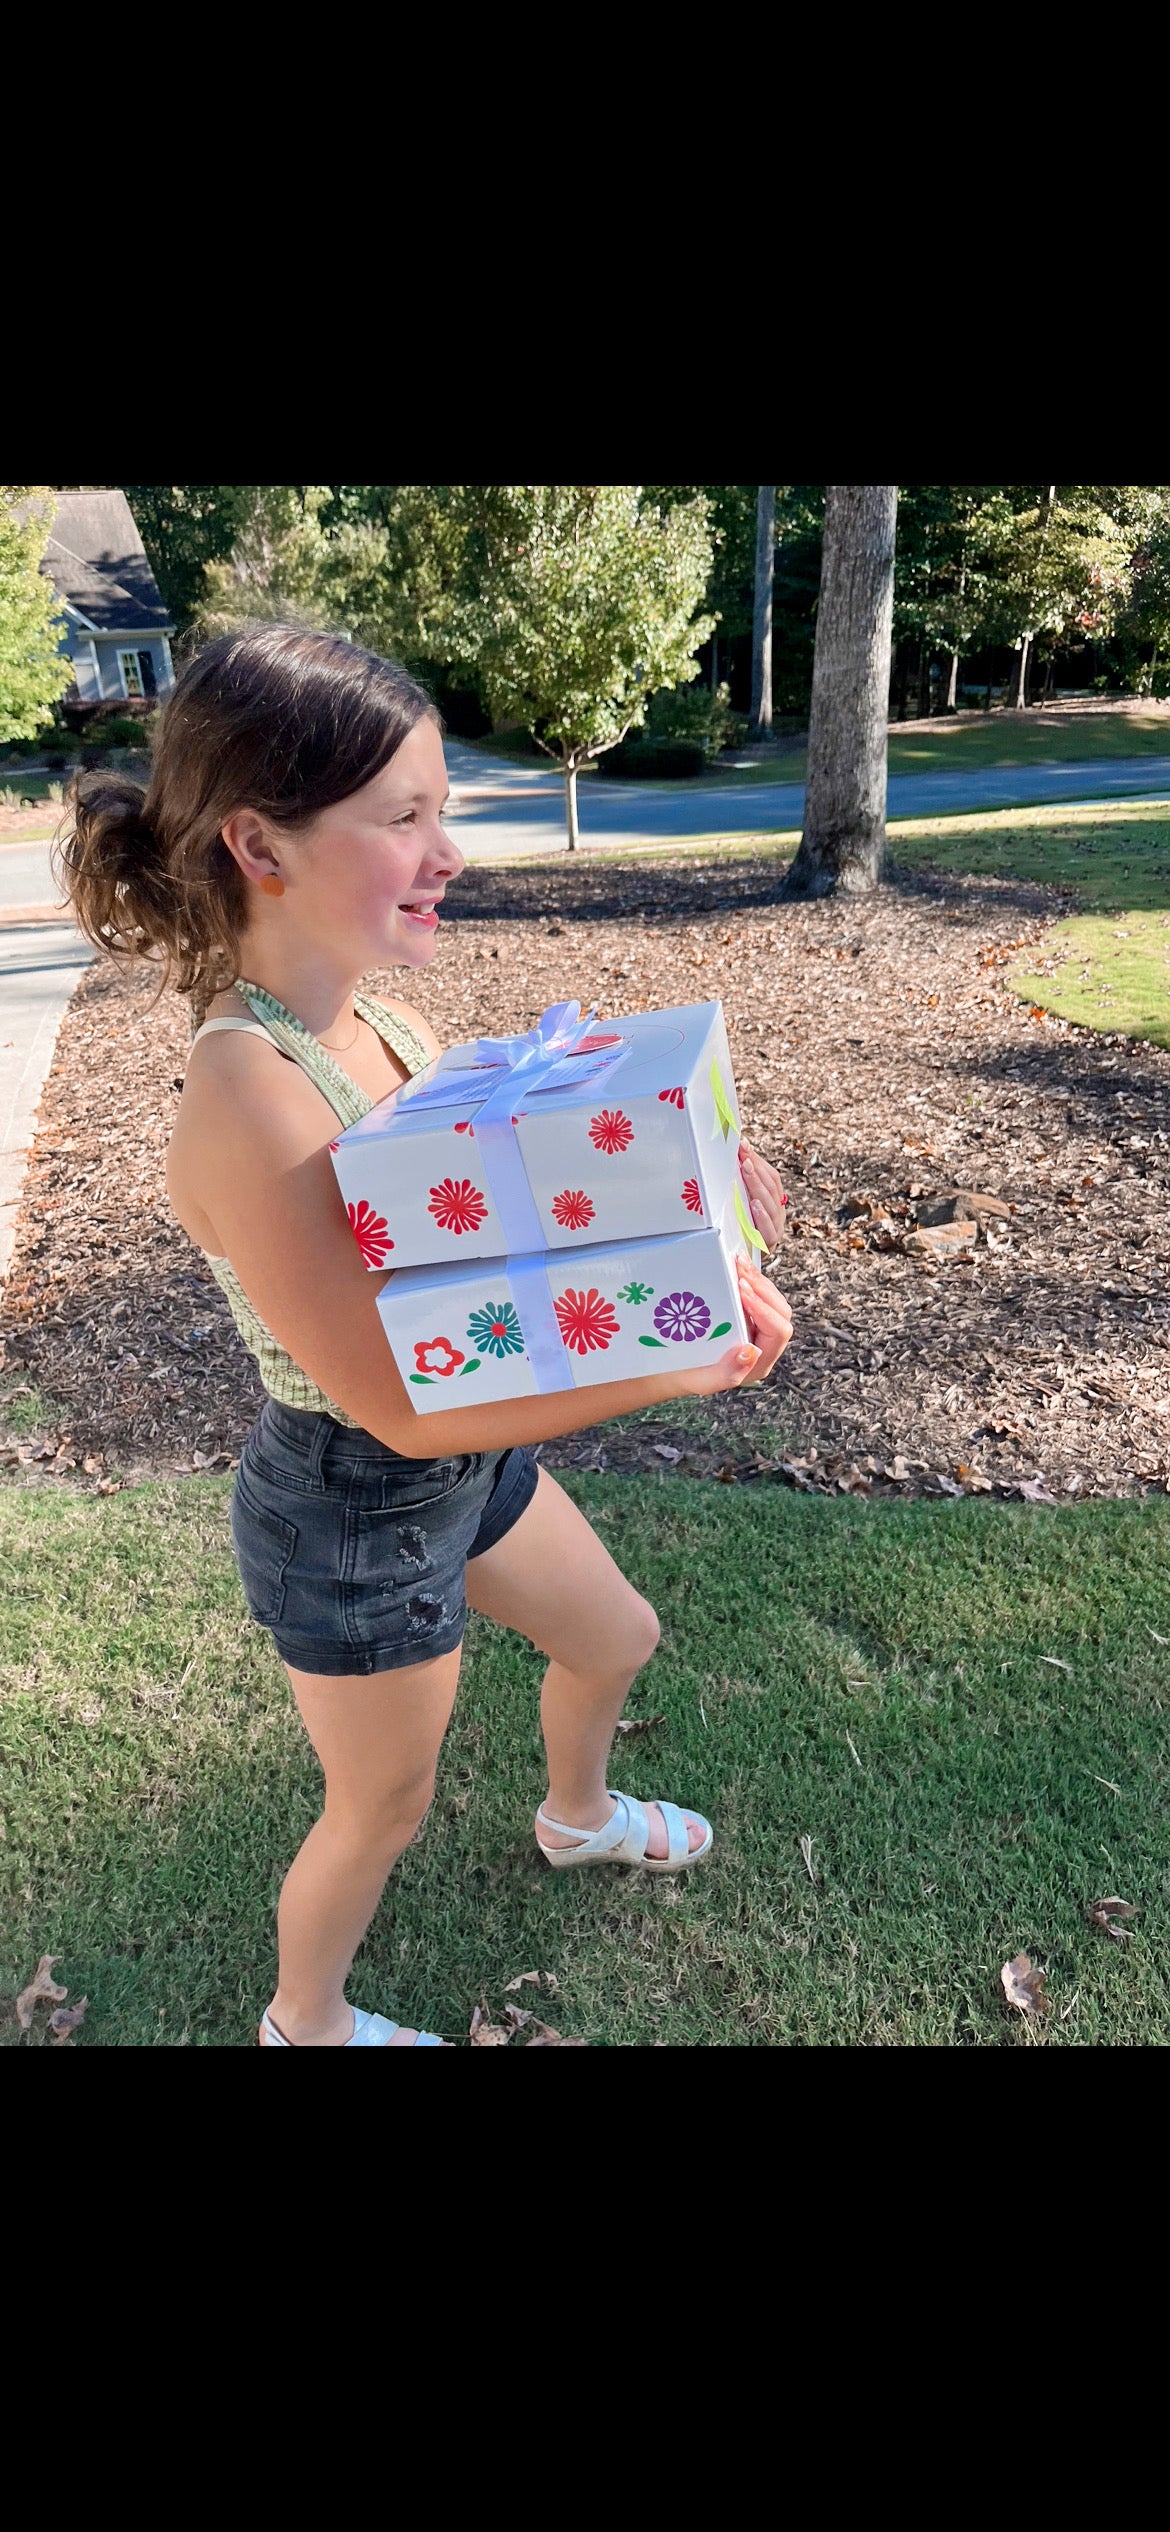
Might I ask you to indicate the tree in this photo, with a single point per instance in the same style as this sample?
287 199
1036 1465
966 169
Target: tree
1066 567
184 527
578 602
952 543
761 712
34 671
845 796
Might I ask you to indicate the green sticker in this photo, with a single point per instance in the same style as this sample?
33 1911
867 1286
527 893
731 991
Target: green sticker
723 1329
724 1112
423 1380
650 1340
473 1365
746 1224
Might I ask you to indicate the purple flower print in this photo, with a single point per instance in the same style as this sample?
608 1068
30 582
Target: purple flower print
682 1317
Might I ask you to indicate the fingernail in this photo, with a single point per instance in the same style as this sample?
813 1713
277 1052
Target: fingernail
746 1356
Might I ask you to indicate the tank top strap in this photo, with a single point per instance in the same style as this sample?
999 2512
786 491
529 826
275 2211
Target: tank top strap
398 1035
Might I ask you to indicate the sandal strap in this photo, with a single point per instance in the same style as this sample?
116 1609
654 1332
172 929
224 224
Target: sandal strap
676 1830
624 1837
370 2030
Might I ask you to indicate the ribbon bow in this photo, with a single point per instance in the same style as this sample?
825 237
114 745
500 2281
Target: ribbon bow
555 1050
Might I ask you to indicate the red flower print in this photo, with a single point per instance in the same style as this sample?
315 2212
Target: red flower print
573 1209
457 1205
438 1355
675 1097
691 1197
335 1147
369 1230
587 1322
466 1128
611 1131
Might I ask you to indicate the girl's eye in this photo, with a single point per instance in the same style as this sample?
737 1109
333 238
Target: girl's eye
407 819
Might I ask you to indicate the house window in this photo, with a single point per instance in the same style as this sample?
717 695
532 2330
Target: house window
146 672
131 672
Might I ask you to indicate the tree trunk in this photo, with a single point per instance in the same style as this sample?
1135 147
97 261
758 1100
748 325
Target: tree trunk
845 799
571 805
714 662
953 684
1018 698
761 719
923 682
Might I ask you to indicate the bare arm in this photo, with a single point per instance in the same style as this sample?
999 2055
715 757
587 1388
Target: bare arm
253 1149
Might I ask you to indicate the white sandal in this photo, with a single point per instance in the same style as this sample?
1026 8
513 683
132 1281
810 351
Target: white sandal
625 1838
370 2030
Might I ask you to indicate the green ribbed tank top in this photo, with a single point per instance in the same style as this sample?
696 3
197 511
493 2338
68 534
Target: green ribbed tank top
282 1378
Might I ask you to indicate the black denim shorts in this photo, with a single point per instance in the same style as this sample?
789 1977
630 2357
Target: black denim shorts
353 1558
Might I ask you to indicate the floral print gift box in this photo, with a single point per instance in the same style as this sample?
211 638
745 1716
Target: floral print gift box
507 1327
571 1135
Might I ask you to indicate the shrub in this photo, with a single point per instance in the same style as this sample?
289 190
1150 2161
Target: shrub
654 759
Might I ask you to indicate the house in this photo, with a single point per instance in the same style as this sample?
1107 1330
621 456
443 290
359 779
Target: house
116 629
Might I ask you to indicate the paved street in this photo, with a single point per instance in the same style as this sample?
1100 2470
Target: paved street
500 808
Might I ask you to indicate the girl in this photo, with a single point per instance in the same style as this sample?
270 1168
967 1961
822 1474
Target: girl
291 840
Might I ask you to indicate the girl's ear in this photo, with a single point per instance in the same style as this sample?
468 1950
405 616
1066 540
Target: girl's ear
246 838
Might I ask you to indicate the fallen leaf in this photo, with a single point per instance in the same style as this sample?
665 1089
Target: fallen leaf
1158 1639
638 1723
1034 1490
484 2033
1024 1987
534 1978
542 2037
41 1989
1054 1662
1104 1912
806 1848
666 1450
64 2022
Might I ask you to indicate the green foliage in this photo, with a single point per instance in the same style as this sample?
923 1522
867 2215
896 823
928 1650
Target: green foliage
576 603
34 671
184 527
685 727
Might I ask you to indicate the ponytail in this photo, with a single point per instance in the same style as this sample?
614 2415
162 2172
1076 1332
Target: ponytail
275 718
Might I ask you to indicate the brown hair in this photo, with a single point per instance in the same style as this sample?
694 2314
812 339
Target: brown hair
274 718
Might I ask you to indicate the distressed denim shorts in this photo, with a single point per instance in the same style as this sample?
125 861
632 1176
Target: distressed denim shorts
353 1558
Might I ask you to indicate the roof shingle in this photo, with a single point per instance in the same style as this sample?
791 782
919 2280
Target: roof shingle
97 562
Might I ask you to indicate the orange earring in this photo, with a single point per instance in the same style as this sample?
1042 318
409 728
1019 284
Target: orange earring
272 886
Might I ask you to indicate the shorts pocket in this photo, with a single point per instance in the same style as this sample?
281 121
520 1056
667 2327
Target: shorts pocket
265 1543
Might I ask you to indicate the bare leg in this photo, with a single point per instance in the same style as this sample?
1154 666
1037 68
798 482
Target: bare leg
553 1581
378 1739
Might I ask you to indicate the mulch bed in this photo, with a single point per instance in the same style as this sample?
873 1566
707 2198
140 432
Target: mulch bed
880 1062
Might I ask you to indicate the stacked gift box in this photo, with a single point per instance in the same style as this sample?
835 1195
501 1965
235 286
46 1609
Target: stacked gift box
477 1180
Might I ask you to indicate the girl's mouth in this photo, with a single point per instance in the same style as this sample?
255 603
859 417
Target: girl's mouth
424 912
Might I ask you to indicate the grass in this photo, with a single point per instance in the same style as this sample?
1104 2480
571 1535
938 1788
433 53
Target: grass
1115 854
985 740
1116 954
882 1680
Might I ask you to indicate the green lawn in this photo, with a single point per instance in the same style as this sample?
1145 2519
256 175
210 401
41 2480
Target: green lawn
1048 737
1116 971
962 1706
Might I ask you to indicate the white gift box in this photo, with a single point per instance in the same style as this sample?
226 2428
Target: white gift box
512 1327
567 1137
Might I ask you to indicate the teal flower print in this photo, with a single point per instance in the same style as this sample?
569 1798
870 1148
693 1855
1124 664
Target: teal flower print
495 1330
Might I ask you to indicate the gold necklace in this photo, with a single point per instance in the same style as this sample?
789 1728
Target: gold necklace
350 1041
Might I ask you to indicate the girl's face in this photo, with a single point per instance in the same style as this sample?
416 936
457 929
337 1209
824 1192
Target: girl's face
365 877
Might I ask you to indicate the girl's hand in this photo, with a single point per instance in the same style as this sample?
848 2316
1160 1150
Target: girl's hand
766 1196
769 1327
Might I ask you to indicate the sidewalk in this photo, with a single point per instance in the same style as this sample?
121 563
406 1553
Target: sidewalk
40 962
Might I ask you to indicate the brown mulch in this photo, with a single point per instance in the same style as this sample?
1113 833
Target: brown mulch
880 1062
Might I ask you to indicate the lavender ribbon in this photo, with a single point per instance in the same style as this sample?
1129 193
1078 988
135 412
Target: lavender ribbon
541 1058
